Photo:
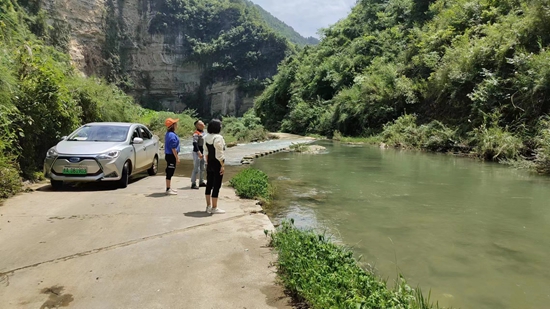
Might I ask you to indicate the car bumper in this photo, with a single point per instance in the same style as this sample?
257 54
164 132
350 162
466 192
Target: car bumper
97 169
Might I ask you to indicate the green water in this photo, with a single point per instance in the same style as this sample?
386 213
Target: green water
476 234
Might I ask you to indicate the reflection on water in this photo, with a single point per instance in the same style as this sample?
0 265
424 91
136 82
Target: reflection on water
476 234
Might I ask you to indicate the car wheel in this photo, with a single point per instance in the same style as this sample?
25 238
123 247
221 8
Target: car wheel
154 168
56 184
123 182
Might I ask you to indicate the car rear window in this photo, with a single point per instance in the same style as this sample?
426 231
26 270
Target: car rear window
100 134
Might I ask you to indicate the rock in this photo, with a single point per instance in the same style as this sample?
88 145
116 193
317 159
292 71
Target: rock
309 149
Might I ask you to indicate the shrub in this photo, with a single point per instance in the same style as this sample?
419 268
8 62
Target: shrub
44 100
495 143
100 101
10 182
251 183
437 137
155 122
403 132
245 129
542 157
326 275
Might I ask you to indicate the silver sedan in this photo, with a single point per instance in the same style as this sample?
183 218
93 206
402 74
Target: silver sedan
106 151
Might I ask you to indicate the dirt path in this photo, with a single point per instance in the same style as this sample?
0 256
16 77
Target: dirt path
96 247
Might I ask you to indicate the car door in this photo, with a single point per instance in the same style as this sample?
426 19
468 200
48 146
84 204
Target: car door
150 144
141 151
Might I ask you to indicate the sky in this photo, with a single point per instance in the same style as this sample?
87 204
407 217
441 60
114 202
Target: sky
307 16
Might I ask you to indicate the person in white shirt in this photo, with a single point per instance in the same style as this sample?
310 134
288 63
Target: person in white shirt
215 159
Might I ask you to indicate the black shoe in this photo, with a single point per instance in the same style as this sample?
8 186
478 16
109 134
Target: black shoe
194 186
202 184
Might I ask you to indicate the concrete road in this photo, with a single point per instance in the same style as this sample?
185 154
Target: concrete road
96 247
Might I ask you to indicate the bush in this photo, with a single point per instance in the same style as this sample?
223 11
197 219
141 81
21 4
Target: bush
438 137
251 183
245 129
326 275
10 182
100 101
542 157
496 143
155 121
403 132
44 100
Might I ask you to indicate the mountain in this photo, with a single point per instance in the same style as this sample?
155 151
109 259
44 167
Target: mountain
474 66
282 28
213 56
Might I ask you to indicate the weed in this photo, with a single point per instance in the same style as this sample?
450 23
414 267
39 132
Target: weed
252 183
326 275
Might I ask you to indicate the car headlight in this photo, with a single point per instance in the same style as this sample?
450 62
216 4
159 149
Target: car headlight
109 155
52 153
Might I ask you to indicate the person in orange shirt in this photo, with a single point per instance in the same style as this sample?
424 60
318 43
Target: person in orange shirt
171 152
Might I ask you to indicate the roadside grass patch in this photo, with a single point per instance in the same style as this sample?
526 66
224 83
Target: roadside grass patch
325 275
10 181
252 183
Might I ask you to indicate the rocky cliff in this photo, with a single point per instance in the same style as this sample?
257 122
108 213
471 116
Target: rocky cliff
209 55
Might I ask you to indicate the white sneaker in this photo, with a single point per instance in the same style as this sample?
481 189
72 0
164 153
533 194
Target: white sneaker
171 192
208 209
217 211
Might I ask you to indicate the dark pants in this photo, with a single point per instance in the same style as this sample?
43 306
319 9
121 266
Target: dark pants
170 165
213 183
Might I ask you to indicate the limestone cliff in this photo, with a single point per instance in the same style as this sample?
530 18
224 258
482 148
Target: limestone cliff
213 59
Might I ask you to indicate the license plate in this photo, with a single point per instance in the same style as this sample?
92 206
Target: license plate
75 170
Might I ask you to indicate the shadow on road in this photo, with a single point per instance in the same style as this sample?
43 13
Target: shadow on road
197 214
90 186
158 194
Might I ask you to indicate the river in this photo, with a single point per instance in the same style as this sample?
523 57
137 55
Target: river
476 234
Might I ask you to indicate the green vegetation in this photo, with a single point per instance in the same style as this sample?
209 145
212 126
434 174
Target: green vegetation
235 129
227 38
155 122
283 29
468 76
325 275
252 183
42 97
244 129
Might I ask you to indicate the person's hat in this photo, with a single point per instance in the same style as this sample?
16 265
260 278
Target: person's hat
170 122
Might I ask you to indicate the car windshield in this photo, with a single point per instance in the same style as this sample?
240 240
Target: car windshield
104 133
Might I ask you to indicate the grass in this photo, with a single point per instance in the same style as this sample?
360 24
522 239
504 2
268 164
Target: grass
10 181
252 183
325 275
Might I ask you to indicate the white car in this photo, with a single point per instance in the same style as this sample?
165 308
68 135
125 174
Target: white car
104 151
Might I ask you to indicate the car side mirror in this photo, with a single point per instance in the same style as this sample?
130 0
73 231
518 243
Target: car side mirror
137 140
63 138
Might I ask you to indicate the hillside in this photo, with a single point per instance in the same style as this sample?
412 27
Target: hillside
208 55
476 72
283 29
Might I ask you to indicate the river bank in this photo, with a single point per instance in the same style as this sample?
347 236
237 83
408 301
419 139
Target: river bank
471 232
319 273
